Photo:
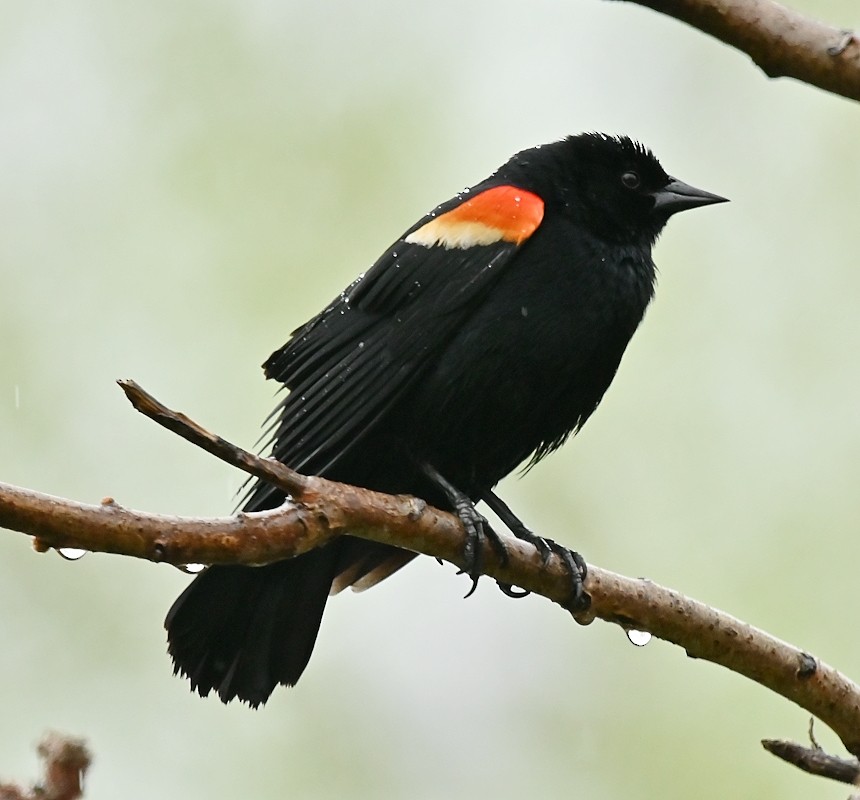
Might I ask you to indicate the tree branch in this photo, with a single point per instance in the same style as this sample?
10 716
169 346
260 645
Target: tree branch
320 509
66 761
781 41
815 761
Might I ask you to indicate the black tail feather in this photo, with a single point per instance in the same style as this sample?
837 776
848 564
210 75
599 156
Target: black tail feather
241 631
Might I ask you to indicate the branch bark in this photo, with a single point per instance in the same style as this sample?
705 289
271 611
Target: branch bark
815 761
320 509
781 41
66 761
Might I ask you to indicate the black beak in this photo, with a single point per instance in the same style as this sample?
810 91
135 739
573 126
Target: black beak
678 196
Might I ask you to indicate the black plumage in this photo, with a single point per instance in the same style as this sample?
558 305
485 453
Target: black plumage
480 340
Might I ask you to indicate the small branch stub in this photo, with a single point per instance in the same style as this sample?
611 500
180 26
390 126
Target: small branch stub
815 761
65 763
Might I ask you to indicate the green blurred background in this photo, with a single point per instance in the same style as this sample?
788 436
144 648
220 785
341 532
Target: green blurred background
182 183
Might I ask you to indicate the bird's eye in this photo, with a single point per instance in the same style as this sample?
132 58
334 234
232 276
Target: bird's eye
631 179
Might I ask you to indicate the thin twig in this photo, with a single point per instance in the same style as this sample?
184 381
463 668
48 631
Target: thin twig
815 761
266 469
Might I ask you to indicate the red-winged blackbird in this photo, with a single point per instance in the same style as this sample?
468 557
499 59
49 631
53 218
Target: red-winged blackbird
482 338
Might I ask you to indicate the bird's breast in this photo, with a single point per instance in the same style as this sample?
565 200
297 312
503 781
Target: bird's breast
531 363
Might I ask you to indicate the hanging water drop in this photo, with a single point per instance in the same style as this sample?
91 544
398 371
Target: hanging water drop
191 569
639 638
71 553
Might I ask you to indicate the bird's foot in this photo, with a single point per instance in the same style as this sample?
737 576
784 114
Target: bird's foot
573 561
476 527
577 571
478 534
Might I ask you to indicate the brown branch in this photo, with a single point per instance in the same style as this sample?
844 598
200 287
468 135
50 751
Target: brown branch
265 468
815 761
781 41
321 509
66 761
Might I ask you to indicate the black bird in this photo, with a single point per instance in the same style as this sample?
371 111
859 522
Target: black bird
480 340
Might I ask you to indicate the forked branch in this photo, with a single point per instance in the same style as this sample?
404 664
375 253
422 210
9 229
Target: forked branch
319 510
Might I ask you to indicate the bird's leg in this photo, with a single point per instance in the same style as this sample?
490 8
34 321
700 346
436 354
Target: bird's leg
516 526
573 561
476 527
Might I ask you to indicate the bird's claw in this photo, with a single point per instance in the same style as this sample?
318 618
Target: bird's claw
474 525
574 563
477 531
544 548
577 571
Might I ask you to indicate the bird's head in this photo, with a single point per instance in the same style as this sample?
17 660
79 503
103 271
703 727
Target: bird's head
614 185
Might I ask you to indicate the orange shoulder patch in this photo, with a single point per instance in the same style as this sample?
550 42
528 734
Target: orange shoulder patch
503 213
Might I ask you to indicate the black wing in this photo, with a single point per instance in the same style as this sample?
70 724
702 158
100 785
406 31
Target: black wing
347 366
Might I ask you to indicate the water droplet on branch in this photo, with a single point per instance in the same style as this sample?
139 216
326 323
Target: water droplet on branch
71 553
639 638
191 569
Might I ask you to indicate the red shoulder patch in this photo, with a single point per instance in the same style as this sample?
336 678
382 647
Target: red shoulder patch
503 213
